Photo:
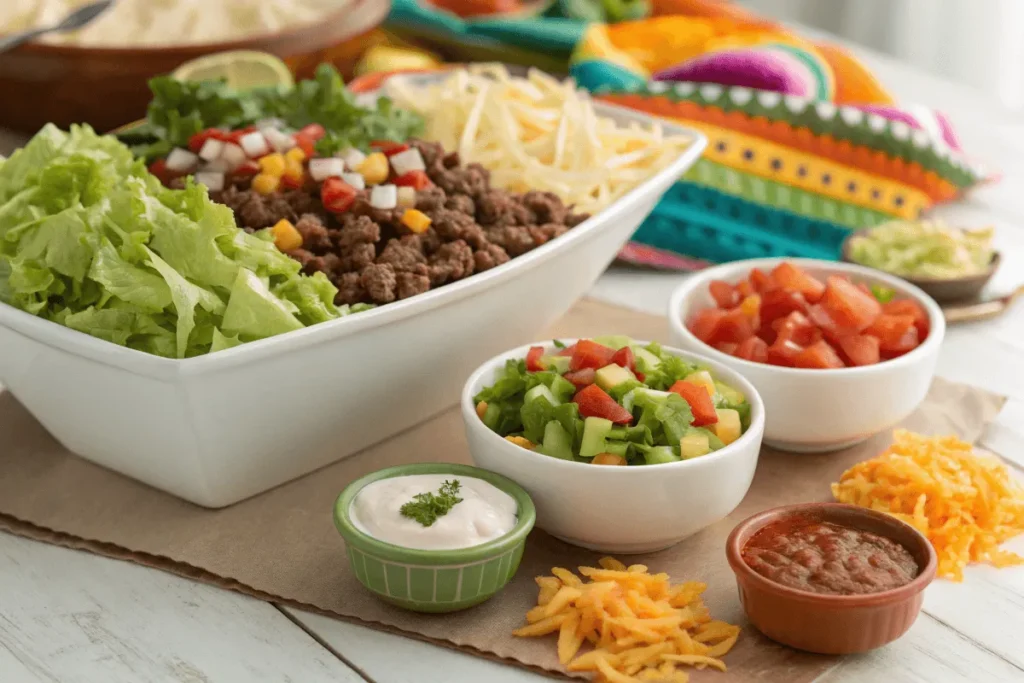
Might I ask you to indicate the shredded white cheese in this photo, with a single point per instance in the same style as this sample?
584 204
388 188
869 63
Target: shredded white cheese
538 133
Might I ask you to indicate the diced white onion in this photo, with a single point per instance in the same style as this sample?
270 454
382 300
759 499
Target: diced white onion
322 169
409 160
216 166
214 181
356 180
181 160
281 142
211 149
254 144
269 124
384 197
352 158
233 155
406 198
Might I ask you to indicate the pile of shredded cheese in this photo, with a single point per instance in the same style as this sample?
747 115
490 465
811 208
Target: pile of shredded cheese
538 133
640 626
966 504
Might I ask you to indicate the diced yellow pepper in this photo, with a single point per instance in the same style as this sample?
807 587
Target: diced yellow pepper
286 237
417 221
481 409
266 184
295 154
374 168
728 428
273 164
521 441
704 379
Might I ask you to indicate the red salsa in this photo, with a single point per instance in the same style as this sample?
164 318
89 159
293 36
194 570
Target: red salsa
822 557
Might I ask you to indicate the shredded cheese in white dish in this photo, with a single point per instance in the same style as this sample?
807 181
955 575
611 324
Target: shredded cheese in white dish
537 133
149 23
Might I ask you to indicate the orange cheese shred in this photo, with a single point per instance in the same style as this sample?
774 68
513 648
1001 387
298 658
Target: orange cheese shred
966 504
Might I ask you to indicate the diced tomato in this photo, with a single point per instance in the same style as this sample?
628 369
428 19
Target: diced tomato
704 324
567 351
640 376
624 358
590 354
736 326
753 349
160 170
762 282
313 131
793 278
196 142
849 307
784 352
246 169
912 308
744 288
896 334
337 195
700 402
860 349
594 402
582 378
533 359
291 182
306 143
388 147
778 303
724 294
818 355
796 328
768 332
727 347
417 180
236 135
830 329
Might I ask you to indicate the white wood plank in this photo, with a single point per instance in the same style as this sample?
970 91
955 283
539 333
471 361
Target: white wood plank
928 653
73 617
389 658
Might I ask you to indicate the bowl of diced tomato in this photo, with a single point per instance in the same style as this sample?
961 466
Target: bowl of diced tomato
837 351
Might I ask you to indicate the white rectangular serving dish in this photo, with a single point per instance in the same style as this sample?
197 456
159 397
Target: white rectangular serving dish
217 429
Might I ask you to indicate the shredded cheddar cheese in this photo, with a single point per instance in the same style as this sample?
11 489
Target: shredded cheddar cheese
639 625
966 504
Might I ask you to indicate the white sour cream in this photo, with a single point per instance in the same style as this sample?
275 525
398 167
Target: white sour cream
485 513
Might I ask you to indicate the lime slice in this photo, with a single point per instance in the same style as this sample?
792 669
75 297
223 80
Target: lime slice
241 69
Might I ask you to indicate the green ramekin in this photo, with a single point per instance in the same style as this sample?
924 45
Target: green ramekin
435 580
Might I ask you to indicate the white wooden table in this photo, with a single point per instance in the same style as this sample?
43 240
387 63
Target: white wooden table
71 617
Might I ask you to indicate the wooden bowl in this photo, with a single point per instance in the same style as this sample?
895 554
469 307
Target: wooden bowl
105 87
943 290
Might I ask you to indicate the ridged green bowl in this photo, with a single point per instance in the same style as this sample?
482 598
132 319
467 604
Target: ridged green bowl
435 580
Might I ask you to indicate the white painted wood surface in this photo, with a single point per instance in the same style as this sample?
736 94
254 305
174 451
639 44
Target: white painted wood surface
70 617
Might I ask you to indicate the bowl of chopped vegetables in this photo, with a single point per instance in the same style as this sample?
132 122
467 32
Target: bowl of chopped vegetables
839 352
624 446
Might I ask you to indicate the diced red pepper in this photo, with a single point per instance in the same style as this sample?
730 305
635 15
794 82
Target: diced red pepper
162 173
704 324
533 359
860 349
417 180
784 352
793 278
196 142
753 349
291 182
590 354
911 308
388 147
337 195
819 356
700 402
778 303
567 351
595 402
624 358
744 288
313 131
849 306
896 334
581 378
736 326
724 294
762 282
246 168
306 143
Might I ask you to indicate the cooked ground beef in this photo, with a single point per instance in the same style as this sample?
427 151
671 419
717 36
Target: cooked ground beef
372 257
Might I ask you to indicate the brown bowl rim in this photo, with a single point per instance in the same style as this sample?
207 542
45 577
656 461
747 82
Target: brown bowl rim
986 274
194 49
756 522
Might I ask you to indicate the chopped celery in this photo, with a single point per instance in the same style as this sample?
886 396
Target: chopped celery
595 431
559 364
557 442
657 455
645 360
491 415
614 341
619 391
620 448
540 391
562 388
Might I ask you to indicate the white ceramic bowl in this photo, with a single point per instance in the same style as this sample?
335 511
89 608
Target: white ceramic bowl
635 509
220 428
820 410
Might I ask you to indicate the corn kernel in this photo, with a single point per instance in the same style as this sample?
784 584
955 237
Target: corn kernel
608 459
295 154
751 305
374 169
417 221
273 164
481 409
286 237
521 441
265 184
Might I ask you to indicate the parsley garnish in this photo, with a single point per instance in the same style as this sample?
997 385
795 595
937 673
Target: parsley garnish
558 344
425 508
883 294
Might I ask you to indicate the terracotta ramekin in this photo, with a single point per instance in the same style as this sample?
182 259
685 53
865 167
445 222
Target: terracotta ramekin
831 624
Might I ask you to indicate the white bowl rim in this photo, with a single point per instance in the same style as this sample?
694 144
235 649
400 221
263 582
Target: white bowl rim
937 321
142 363
720 371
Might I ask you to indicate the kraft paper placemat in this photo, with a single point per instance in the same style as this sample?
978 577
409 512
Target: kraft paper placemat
282 545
